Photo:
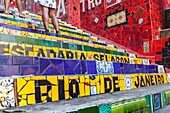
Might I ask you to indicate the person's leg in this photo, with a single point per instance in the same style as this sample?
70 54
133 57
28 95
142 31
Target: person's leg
6 4
19 5
45 18
54 20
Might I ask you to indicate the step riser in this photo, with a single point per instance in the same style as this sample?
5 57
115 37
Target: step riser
36 89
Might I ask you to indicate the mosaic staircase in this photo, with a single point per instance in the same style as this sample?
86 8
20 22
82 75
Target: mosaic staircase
36 68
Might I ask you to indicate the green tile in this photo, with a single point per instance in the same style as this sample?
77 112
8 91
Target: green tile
101 50
28 40
79 47
65 45
57 44
38 42
7 38
18 39
89 110
86 48
46 43
73 46
93 49
113 52
107 51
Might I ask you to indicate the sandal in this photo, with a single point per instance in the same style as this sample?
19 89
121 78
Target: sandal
58 34
47 32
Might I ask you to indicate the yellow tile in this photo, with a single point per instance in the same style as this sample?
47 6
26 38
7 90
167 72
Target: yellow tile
29 50
87 86
27 89
43 89
66 83
22 103
62 53
38 77
60 78
53 79
55 96
31 99
90 56
102 86
20 83
81 86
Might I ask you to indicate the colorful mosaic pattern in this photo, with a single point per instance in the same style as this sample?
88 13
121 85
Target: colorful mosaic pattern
7 98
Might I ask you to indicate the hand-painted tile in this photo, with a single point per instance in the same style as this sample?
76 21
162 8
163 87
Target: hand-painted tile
104 67
7 93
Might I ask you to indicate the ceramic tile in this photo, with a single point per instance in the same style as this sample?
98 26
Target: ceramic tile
9 70
22 60
5 60
29 70
104 67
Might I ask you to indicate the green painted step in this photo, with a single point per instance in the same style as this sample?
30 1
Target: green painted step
32 41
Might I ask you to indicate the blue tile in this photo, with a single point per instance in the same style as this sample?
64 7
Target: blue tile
28 70
52 70
22 60
104 67
83 67
116 66
9 70
5 60
59 65
146 68
91 67
36 61
72 67
44 63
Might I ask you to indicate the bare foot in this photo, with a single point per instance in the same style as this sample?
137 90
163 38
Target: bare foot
6 12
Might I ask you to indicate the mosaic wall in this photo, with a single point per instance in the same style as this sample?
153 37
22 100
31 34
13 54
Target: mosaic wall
133 27
95 67
13 65
7 98
37 89
167 4
147 104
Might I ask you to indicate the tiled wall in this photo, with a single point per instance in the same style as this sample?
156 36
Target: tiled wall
167 4
13 65
36 89
147 104
131 30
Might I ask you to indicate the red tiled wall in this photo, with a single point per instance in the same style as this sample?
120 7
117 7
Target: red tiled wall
131 35
156 17
167 4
